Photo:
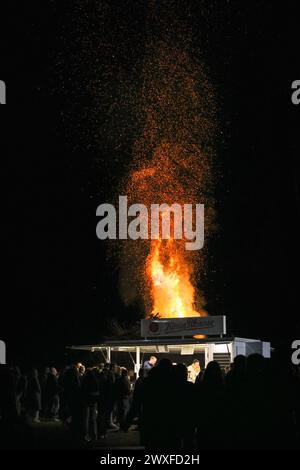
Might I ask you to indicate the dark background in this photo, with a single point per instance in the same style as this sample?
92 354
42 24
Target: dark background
63 62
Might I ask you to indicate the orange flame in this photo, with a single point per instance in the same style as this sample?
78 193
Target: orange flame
173 294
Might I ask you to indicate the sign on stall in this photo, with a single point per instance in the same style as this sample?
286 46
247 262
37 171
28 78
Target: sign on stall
190 326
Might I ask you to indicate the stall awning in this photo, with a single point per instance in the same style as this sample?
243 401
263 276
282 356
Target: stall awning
158 344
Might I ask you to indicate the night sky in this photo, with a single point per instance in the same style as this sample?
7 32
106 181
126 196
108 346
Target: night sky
72 69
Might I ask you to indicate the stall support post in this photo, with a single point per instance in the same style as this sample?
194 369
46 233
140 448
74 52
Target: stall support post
109 354
209 354
137 365
231 350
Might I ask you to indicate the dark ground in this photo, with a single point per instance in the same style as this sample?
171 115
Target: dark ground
56 435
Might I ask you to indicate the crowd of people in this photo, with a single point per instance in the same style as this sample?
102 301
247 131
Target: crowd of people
88 401
252 404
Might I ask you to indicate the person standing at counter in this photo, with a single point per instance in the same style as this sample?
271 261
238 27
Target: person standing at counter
148 365
194 370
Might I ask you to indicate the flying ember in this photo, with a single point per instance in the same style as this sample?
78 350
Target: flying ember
172 163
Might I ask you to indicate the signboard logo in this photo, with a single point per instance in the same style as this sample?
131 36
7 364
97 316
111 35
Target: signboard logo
2 92
154 327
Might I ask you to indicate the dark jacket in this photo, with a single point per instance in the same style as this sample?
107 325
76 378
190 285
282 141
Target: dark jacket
122 387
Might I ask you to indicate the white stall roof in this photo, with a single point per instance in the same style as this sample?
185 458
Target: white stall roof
158 345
